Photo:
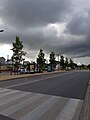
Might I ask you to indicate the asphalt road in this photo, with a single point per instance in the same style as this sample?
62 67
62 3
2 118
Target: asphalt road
57 96
66 84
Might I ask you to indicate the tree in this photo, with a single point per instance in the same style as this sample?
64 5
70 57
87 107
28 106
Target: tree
75 65
52 59
62 62
84 67
66 62
18 53
41 60
88 66
71 64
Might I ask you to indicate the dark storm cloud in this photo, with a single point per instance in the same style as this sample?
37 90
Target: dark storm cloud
80 23
79 26
31 20
27 18
34 12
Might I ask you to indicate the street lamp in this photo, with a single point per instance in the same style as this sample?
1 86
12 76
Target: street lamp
0 63
1 30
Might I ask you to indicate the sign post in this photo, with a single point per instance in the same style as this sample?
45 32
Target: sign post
49 68
32 67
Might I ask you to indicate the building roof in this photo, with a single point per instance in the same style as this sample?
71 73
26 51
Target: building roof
2 58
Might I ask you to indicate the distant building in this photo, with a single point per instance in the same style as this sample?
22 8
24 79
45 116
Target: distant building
2 60
9 62
26 62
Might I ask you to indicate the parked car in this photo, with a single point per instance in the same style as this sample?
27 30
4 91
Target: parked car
24 71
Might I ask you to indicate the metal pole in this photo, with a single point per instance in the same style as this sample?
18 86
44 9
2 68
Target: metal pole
0 63
1 30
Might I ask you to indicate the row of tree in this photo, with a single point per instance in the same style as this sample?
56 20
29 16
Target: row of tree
18 54
64 62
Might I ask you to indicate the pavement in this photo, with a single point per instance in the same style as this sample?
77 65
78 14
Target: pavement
85 112
52 104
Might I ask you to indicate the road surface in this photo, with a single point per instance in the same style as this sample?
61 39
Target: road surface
57 96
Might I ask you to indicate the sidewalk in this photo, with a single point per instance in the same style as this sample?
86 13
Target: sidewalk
85 112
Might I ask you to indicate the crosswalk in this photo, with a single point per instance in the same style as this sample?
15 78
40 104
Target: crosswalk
21 105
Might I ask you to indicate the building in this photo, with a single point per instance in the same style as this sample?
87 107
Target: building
2 61
9 62
5 65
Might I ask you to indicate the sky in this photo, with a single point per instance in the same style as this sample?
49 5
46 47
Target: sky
61 26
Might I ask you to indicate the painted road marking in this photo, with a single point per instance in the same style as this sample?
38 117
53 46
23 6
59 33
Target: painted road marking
21 105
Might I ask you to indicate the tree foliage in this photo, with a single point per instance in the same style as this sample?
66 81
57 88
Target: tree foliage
88 66
71 64
84 67
41 60
62 62
18 53
52 59
66 62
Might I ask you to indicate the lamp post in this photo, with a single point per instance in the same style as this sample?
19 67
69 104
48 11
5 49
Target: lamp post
0 63
1 30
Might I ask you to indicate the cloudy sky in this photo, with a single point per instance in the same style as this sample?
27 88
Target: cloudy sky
62 26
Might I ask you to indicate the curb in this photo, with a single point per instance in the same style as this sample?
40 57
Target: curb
26 76
85 111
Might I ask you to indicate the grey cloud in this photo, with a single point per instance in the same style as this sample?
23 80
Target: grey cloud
34 12
34 39
29 19
79 24
73 47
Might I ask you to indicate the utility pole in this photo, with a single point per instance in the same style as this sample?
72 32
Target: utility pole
0 63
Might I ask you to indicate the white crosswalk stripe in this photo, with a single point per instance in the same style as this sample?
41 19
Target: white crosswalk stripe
22 105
